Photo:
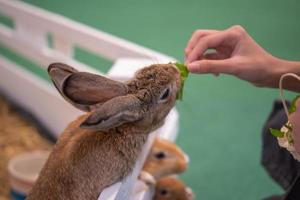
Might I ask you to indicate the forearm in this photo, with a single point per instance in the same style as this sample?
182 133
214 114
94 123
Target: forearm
280 67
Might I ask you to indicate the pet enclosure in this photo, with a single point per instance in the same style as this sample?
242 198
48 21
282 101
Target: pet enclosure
29 37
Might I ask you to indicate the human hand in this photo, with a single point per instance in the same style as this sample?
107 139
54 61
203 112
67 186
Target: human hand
236 53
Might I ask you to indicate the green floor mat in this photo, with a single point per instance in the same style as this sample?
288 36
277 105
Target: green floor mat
221 117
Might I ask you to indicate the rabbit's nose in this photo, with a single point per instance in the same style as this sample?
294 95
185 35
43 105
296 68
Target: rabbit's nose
190 194
186 158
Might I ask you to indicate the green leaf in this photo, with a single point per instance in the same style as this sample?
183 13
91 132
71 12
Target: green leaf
184 72
276 133
293 107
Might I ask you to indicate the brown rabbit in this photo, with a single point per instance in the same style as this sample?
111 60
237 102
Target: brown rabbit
101 147
165 158
171 188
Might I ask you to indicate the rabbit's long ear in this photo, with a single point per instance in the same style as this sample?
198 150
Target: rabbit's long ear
83 89
114 112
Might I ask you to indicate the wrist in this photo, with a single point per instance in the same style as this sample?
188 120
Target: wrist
289 66
280 67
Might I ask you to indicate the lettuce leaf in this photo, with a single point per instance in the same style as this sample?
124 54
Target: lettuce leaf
184 73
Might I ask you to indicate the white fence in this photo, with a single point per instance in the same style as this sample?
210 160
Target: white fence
28 38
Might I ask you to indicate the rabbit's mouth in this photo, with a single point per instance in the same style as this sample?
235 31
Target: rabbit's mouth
182 76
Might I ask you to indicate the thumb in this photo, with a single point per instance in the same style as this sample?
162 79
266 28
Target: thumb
212 66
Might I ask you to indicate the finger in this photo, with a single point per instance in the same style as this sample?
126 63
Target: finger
195 37
214 56
225 66
210 56
209 41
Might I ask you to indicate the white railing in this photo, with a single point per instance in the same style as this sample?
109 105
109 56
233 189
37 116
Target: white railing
33 24
28 37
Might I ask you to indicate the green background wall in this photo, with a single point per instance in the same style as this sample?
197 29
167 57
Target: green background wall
221 117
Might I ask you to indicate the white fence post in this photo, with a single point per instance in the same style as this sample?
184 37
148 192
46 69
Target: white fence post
63 45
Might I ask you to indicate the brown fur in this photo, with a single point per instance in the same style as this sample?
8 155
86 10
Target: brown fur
170 188
85 161
174 161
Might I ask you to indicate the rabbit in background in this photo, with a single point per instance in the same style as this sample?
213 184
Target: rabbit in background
171 188
100 148
165 158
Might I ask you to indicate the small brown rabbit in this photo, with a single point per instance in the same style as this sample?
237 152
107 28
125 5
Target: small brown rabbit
101 147
171 188
165 158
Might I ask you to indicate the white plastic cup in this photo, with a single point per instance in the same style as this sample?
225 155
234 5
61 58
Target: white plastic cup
23 172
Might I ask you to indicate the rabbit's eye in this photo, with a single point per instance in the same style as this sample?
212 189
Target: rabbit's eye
160 155
165 94
163 192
